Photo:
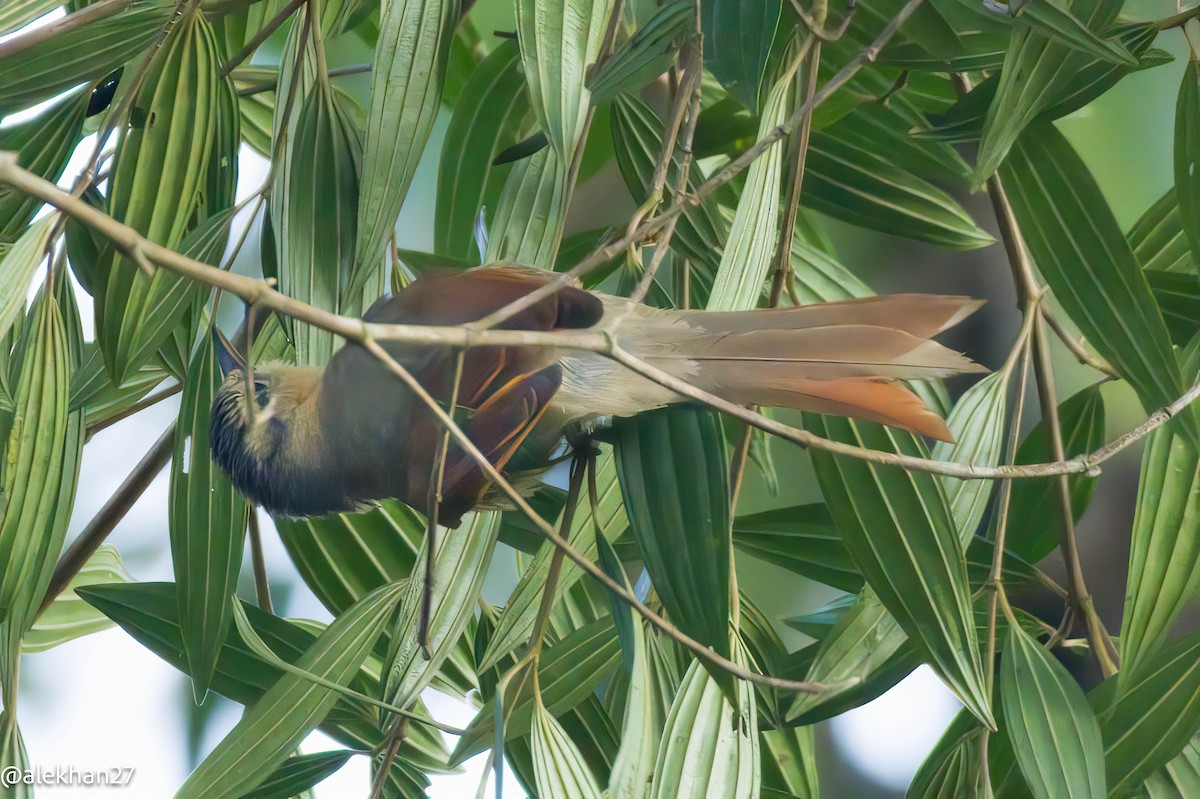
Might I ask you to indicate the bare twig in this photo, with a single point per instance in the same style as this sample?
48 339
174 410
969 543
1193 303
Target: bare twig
263 34
262 586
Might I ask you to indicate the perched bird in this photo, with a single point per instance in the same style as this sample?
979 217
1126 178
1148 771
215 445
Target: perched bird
304 441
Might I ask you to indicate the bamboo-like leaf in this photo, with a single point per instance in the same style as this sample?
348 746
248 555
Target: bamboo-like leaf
344 556
18 13
315 229
560 40
38 65
569 671
864 187
1178 297
1187 153
1090 267
701 231
13 755
520 610
1157 238
531 212
802 539
978 427
899 529
17 267
675 482
709 748
1049 723
1053 20
407 73
755 229
158 181
490 114
737 41
877 128
1036 70
1166 540
1148 717
207 520
645 55
93 390
953 768
1179 778
790 761
69 617
42 144
292 707
1081 417
44 442
298 774
459 566
558 767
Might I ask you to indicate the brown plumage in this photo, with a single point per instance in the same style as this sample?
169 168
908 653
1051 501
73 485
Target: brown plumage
334 440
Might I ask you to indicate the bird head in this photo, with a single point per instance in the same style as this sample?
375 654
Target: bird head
264 433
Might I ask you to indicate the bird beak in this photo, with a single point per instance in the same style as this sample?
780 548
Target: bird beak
227 357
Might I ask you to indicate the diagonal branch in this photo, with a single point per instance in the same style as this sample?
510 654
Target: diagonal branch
594 340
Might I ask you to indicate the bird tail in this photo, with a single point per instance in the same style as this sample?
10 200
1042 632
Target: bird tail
843 358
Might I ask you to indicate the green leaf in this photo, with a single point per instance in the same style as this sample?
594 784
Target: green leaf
560 40
299 773
43 63
18 13
93 390
953 768
43 442
1179 778
460 564
864 187
42 144
1187 153
644 56
1147 717
1081 418
569 671
207 519
558 767
158 180
1036 71
1157 238
674 478
1089 265
315 229
490 114
13 755
802 539
1178 297
737 42
977 423
709 747
754 234
407 73
1166 540
274 725
516 622
69 616
531 212
1053 20
790 761
900 531
1049 723
17 267
344 556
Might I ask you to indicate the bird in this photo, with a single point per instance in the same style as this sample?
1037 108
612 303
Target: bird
305 441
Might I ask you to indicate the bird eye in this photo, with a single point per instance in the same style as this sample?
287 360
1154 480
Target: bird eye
262 395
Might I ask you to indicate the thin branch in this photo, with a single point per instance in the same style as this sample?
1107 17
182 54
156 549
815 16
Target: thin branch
262 586
93 535
599 341
137 407
103 9
1076 347
263 34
